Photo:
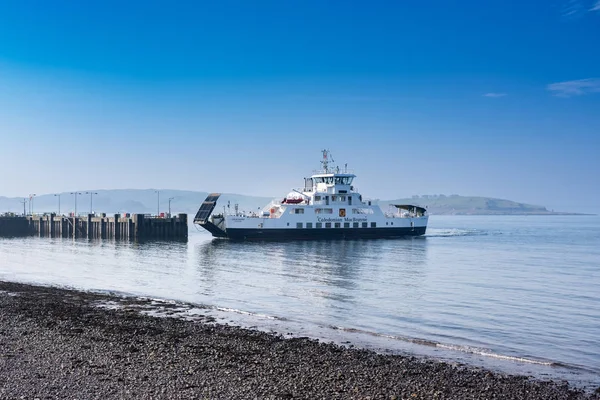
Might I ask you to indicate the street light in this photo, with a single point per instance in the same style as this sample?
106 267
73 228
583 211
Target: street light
157 202
75 195
58 195
24 201
31 196
170 198
91 201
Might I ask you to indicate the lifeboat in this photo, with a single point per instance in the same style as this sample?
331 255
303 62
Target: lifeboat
293 198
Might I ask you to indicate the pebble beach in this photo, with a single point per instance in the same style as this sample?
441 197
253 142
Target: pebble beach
59 344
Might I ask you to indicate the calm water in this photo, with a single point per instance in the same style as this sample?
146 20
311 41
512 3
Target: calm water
519 294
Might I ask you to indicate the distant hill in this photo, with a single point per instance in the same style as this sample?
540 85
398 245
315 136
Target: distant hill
473 205
145 201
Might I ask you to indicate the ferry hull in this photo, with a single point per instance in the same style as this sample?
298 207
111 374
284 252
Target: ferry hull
322 233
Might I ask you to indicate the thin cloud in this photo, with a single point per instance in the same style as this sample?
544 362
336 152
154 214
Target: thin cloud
575 88
492 94
596 6
572 9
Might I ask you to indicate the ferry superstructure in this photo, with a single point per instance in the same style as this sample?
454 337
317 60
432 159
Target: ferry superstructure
328 207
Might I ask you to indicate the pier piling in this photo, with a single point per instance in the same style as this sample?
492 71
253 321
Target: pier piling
137 226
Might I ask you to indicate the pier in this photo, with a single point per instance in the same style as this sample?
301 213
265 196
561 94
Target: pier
92 226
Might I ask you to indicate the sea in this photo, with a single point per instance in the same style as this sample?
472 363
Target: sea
516 294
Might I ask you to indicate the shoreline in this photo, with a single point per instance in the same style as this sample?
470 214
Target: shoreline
59 343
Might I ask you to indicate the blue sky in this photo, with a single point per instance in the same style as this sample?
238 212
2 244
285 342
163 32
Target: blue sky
476 98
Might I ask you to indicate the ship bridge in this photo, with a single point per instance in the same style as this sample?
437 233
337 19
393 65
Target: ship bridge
330 180
333 183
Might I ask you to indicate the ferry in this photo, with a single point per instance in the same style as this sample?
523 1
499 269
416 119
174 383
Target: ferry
328 207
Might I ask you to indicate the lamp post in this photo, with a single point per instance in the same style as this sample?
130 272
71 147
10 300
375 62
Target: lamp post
170 198
58 195
24 201
91 201
75 195
31 196
157 202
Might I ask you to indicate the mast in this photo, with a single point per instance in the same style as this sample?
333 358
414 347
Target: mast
325 160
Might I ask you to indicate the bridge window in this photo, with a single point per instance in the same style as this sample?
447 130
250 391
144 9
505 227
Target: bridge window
343 180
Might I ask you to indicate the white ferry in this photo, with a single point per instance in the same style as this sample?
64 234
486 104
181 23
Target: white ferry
328 207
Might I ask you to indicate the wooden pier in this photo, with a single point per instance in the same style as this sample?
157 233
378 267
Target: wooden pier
134 227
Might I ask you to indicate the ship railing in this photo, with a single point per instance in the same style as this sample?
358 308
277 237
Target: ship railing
333 170
403 215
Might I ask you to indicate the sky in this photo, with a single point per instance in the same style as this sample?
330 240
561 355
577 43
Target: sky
498 99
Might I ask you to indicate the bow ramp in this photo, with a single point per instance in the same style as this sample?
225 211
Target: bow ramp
214 225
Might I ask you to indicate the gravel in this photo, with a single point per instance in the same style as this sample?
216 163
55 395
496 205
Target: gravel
57 343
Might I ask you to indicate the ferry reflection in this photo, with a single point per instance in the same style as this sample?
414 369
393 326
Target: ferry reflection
338 272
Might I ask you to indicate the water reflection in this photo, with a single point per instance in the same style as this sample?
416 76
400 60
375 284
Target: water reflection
335 279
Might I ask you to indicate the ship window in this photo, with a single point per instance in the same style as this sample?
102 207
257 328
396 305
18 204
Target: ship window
319 225
386 223
309 224
298 211
346 224
342 198
337 224
327 224
364 225
318 210
373 224
298 224
333 198
288 224
317 198
392 223
355 225
328 211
